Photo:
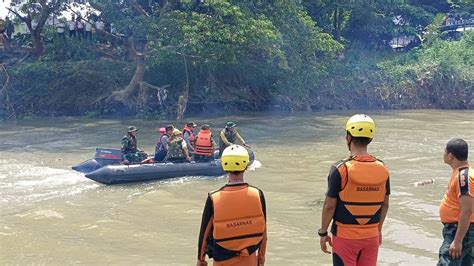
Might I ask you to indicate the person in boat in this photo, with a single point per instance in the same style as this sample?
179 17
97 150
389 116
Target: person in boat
356 200
130 152
177 148
189 136
233 227
161 149
228 136
205 145
456 209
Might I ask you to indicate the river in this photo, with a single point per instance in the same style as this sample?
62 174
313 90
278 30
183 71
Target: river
53 215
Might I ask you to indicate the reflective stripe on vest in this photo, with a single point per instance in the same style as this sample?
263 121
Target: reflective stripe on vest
239 222
363 193
203 143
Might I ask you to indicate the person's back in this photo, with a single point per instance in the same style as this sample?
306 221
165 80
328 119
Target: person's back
363 182
356 200
233 228
204 145
177 148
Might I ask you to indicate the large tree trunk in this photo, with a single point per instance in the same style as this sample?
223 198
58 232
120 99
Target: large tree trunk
132 87
37 43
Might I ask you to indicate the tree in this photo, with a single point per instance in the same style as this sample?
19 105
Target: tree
35 14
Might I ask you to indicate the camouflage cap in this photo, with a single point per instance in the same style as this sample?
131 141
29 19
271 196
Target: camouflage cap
132 129
230 125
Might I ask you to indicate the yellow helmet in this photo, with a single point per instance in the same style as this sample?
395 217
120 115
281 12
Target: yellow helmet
361 125
177 132
235 158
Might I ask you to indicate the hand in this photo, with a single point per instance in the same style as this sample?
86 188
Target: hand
455 249
246 145
322 241
201 263
126 162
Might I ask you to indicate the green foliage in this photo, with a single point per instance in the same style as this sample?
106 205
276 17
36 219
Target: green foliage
297 55
46 88
436 73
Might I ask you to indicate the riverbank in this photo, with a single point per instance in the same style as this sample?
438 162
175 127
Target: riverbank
437 76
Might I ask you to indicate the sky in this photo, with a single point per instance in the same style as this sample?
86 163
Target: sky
6 3
3 5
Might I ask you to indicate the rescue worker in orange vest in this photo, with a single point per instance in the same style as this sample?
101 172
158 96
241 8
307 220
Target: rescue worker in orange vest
233 227
356 200
189 136
205 145
456 208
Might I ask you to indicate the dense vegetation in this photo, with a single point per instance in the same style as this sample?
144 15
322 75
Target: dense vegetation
174 57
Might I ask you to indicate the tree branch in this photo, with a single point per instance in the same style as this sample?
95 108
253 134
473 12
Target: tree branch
22 18
139 8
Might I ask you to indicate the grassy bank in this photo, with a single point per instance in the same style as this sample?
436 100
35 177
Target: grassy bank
440 75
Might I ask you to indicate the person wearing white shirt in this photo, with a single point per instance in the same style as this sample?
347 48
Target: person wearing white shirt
72 27
80 27
88 32
61 28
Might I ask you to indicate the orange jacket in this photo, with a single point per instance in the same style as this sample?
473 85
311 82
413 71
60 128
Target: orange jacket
233 227
203 145
363 187
461 183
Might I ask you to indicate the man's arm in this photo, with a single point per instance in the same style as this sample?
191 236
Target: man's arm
329 207
328 213
383 214
263 247
384 210
205 231
237 136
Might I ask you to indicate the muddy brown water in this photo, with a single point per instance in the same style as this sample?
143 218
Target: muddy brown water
53 215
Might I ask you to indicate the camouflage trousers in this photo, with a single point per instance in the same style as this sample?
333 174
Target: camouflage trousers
467 256
135 157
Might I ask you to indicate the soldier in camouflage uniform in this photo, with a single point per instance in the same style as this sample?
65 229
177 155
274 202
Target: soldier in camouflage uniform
177 149
130 152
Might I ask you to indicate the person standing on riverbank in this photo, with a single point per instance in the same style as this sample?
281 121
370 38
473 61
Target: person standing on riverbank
356 200
233 228
456 208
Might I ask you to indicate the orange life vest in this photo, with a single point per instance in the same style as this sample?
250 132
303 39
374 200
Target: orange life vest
191 133
363 184
239 221
203 144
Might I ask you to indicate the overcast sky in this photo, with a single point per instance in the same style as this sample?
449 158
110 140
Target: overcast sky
3 5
